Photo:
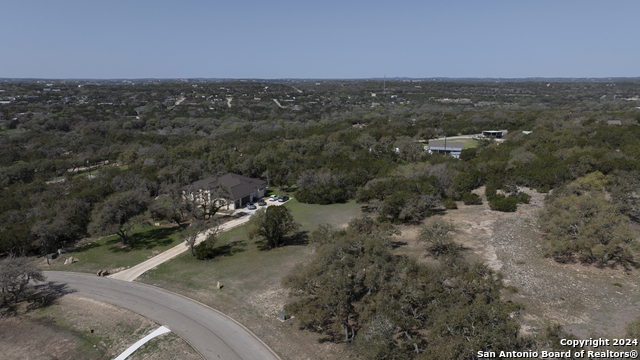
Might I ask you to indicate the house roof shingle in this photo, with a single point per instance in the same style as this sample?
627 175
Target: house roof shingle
239 186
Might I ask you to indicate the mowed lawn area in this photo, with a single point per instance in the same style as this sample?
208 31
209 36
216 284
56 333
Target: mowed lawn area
468 143
251 278
107 253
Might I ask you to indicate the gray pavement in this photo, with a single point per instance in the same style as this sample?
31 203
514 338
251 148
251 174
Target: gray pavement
213 334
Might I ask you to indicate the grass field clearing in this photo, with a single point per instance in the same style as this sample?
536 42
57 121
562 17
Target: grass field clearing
108 254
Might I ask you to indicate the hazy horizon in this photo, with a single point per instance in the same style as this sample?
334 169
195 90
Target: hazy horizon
72 39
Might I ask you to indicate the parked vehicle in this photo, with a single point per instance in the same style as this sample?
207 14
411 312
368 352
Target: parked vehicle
262 202
273 197
283 198
251 206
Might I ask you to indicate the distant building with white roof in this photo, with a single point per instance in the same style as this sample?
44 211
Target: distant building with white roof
494 133
452 148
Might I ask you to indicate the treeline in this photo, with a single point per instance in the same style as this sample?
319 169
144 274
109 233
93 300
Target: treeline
73 158
328 163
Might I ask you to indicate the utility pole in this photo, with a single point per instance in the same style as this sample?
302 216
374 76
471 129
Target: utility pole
445 144
384 84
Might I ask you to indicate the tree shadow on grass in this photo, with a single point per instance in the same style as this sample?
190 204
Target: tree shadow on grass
263 245
229 249
144 240
300 238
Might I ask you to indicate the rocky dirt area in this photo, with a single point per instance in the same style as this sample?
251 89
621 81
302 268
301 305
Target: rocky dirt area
588 301
80 328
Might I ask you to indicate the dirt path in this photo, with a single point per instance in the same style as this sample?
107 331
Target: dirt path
229 102
92 167
586 300
278 103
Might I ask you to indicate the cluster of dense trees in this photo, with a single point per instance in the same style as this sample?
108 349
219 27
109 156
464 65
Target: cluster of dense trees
401 198
62 178
321 187
355 290
581 219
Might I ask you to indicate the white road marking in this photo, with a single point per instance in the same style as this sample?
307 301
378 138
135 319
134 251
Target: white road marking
159 331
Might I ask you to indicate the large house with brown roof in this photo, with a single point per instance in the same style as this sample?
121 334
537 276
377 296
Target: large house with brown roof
240 190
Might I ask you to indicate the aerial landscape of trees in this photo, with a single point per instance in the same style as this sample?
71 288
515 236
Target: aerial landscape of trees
107 158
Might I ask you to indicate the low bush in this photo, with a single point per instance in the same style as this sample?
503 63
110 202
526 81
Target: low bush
524 198
471 199
203 252
503 203
490 191
450 204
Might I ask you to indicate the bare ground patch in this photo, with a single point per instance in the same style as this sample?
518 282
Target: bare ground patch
586 300
81 328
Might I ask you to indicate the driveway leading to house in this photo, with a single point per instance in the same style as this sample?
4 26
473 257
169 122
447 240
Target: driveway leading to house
213 334
135 271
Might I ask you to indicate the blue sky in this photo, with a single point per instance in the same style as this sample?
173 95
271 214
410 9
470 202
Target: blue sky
318 39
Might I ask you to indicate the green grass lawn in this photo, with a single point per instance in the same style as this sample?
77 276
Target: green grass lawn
106 253
239 258
12 131
468 143
250 277
238 261
96 170
311 215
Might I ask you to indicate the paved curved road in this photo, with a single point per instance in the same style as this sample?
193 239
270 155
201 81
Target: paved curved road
212 333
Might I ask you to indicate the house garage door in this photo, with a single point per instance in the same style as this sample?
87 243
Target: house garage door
245 200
